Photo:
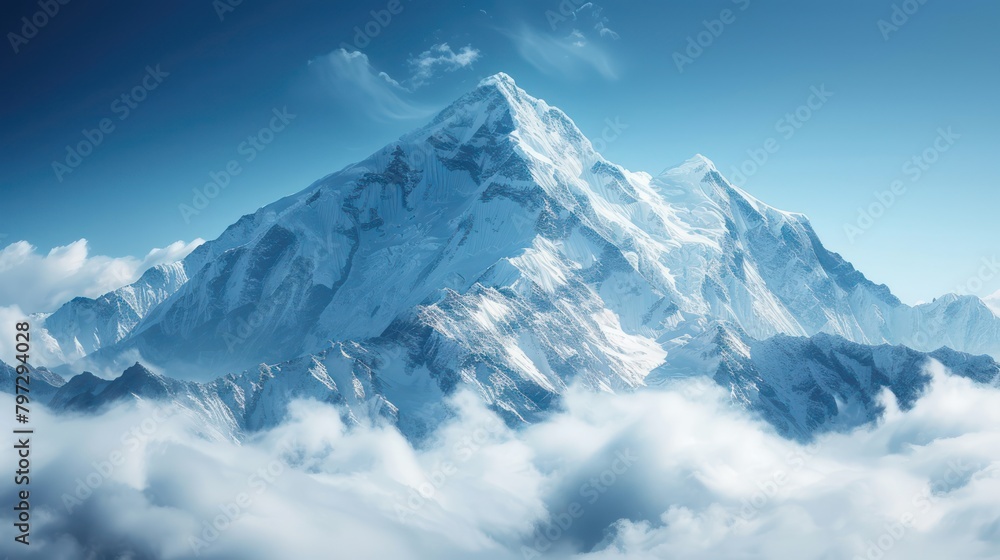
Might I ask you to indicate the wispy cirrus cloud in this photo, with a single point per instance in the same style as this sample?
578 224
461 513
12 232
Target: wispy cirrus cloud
577 41
350 77
585 16
568 54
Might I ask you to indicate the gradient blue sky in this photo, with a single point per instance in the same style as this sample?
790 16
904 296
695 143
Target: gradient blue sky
890 97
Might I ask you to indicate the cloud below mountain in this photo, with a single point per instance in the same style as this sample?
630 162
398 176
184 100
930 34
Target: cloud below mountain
674 473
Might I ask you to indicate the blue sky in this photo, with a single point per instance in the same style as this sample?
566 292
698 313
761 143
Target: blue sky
921 85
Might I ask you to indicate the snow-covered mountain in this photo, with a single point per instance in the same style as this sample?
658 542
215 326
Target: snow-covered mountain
495 248
993 302
42 384
806 385
84 325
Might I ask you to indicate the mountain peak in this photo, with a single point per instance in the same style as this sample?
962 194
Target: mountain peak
495 98
137 371
499 94
500 79
700 160
497 112
503 84
696 164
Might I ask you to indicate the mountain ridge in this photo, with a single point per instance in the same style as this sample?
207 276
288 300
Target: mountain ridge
494 248
803 387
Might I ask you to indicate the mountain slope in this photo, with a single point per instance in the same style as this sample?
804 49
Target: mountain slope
42 384
993 302
85 325
213 416
495 248
803 386
365 247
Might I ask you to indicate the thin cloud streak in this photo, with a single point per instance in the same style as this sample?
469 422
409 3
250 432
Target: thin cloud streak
569 55
352 79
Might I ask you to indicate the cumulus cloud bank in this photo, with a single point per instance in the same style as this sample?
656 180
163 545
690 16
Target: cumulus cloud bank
36 282
677 473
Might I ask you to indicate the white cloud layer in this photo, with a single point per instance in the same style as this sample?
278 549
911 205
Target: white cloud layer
674 474
36 282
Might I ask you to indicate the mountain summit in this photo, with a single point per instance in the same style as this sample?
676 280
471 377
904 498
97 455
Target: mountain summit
495 248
